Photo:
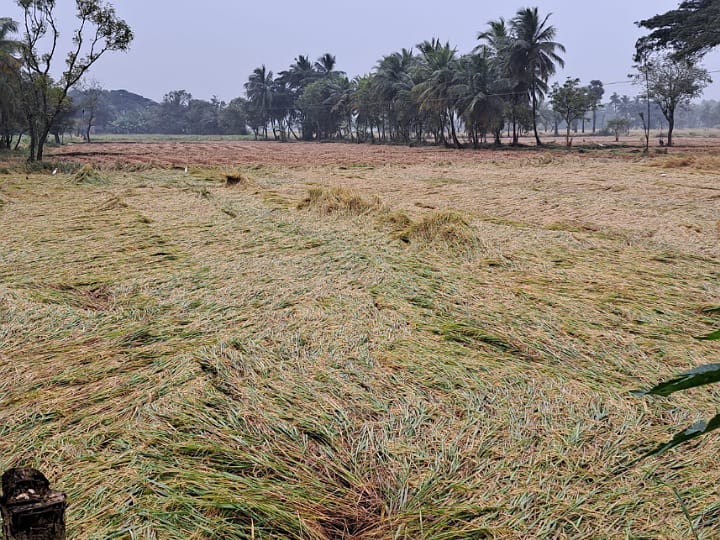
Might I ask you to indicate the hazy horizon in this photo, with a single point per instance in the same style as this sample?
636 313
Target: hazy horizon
212 50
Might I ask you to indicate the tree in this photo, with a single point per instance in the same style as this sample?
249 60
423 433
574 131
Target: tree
259 90
571 102
8 47
301 73
89 104
99 31
393 84
64 120
11 118
366 107
643 67
671 82
618 126
341 100
315 103
202 116
233 118
533 56
691 29
325 66
596 92
480 106
497 42
434 93
171 114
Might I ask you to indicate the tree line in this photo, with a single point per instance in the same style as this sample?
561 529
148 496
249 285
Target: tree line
427 94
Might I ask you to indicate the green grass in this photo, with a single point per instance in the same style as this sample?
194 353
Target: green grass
188 360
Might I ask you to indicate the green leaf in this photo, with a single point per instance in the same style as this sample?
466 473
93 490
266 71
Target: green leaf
713 336
694 431
699 376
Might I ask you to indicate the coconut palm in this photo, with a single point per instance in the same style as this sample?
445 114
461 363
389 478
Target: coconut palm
10 86
479 99
301 73
259 90
366 107
341 100
393 86
498 41
533 56
434 92
8 47
325 65
497 38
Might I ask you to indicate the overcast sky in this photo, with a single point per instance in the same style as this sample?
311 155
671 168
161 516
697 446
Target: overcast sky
209 48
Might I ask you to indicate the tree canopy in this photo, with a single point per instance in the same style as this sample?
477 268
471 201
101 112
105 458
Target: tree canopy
98 31
691 30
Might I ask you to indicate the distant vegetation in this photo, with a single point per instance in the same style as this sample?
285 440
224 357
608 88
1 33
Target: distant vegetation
428 94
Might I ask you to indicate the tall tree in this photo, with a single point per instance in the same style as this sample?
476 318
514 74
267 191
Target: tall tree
367 108
10 90
534 55
325 65
672 82
596 91
233 118
478 100
99 30
316 103
89 104
571 101
290 85
171 115
8 47
259 90
394 81
434 93
498 40
691 30
300 73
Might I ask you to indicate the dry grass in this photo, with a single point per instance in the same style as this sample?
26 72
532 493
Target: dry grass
446 228
87 174
340 200
191 361
699 162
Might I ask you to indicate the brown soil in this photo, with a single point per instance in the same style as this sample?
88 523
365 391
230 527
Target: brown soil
173 153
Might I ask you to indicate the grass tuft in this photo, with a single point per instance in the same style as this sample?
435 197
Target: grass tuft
87 174
700 162
448 228
340 200
397 220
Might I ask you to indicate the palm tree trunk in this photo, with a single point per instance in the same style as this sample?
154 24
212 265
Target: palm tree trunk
594 115
534 116
452 131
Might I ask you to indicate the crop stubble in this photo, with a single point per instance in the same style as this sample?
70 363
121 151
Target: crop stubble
188 359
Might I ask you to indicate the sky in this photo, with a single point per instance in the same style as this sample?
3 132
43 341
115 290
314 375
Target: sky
209 48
